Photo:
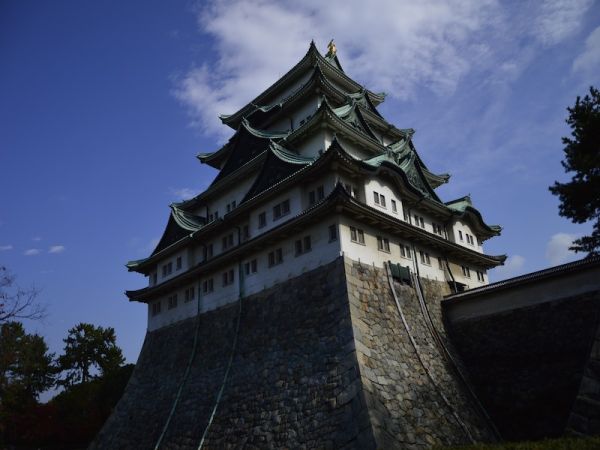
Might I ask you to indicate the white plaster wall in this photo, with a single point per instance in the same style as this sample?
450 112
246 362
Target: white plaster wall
311 146
323 251
465 228
301 112
354 149
185 265
168 316
369 254
375 185
237 193
295 197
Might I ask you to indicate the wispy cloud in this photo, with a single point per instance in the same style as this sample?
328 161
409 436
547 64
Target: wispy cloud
56 249
512 267
4 248
183 193
557 249
431 45
36 238
556 20
32 252
588 61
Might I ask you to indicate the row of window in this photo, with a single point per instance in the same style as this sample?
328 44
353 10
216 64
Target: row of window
275 257
172 300
316 195
467 273
379 199
468 237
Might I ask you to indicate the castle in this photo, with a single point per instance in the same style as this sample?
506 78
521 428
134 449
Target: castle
313 171
295 303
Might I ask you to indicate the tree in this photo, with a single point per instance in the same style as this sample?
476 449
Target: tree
26 367
580 197
16 302
89 348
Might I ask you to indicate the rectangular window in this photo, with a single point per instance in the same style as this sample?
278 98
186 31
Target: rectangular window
164 270
169 268
480 276
303 245
357 235
311 198
156 308
332 233
376 198
178 263
275 257
394 206
405 251
425 259
250 267
422 222
228 207
208 286
382 201
460 236
154 278
437 229
466 271
172 301
298 247
383 244
228 277
189 294
281 209
262 220
406 216
320 193
440 262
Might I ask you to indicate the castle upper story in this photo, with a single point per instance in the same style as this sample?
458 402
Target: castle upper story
313 171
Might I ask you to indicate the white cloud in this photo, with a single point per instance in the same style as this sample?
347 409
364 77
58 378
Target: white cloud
36 238
394 46
513 266
57 249
559 19
4 248
183 193
32 252
588 61
557 249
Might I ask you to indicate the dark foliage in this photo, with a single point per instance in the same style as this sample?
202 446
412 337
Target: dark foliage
580 197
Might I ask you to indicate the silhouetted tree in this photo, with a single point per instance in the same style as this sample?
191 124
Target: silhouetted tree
580 197
17 302
89 348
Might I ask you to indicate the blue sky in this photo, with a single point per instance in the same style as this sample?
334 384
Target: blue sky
104 105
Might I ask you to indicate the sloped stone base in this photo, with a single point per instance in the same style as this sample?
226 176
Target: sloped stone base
322 361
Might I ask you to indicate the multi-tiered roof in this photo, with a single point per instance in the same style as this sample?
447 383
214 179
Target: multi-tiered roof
276 158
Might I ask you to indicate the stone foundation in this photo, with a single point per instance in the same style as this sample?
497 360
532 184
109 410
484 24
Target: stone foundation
322 361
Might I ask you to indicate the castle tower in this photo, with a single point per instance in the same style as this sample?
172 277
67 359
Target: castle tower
295 302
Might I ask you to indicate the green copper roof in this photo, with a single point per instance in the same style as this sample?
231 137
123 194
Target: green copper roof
460 204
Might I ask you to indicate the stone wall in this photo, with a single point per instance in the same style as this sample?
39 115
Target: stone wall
414 397
527 363
321 361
